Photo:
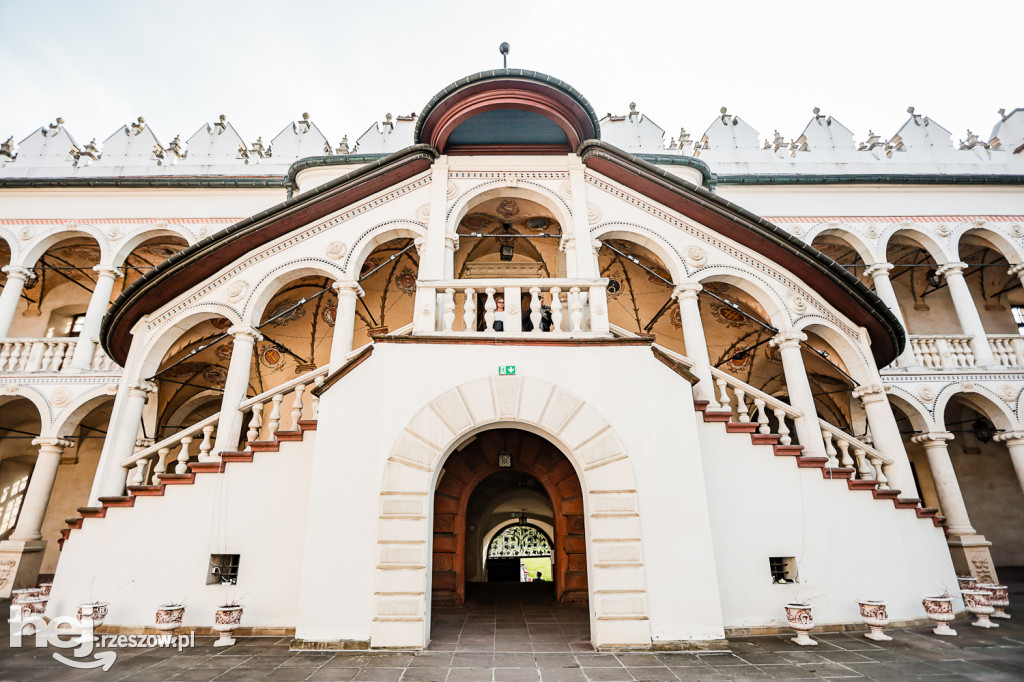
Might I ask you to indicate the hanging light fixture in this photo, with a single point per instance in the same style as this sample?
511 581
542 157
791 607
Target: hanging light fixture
983 430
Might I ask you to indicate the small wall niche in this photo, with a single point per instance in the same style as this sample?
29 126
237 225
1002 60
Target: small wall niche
783 569
223 569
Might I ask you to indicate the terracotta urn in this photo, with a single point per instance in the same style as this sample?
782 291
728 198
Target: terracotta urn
977 603
802 620
998 597
225 620
940 609
966 582
92 614
44 589
876 617
168 616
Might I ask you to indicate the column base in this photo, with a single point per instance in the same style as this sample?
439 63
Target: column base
20 561
971 556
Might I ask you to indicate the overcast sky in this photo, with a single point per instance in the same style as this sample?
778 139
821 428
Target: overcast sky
101 64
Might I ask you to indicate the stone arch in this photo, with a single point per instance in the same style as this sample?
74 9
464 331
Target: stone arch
922 239
192 404
919 416
159 341
852 239
79 409
983 400
751 284
401 612
370 239
32 395
647 238
529 191
135 240
857 361
272 282
12 242
63 233
1007 247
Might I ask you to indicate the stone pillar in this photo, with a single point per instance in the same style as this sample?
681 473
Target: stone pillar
968 550
81 361
696 343
236 385
40 485
1014 441
120 443
879 274
11 295
808 430
967 312
886 437
344 321
567 245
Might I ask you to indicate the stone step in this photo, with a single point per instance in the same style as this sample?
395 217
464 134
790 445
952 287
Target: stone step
907 502
146 490
788 450
862 484
701 405
307 424
717 415
764 438
264 446
75 522
92 512
288 435
740 427
237 456
926 512
177 479
890 494
210 467
119 501
838 473
811 462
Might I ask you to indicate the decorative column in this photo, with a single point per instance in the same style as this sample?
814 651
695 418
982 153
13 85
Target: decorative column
344 321
886 437
968 550
11 295
567 245
120 442
879 274
81 361
236 385
40 486
1014 441
800 396
696 343
967 312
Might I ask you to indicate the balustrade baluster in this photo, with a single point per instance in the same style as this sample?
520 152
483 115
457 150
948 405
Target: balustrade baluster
535 309
161 463
47 359
784 438
314 404
883 481
254 425
15 357
864 470
469 311
275 417
830 449
845 460
448 318
724 400
576 309
297 406
5 356
207 444
762 416
35 357
741 405
182 466
138 473
69 352
489 307
556 309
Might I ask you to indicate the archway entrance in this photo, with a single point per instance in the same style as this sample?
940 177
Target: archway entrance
500 479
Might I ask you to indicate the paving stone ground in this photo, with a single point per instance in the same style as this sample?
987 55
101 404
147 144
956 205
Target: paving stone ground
532 640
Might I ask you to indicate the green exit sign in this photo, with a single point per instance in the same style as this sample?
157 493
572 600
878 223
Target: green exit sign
506 369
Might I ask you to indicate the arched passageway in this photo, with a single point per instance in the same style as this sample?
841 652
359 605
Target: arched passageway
517 468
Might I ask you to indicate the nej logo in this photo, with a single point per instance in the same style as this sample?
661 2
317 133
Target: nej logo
66 632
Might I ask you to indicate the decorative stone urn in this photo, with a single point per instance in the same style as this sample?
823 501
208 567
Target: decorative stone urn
966 582
92 614
19 596
998 597
876 617
31 606
44 589
940 609
977 603
225 620
802 620
168 616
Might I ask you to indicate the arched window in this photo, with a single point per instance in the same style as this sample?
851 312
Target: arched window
519 541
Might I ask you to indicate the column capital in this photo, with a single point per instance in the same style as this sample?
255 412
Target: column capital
596 244
108 271
933 439
1016 269
870 392
879 269
956 268
787 339
451 241
18 272
1010 437
238 331
687 290
141 389
566 242
349 288
52 443
419 243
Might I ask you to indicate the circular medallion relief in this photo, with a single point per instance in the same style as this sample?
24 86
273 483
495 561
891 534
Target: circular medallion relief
695 256
60 397
236 290
423 214
336 250
593 214
926 393
796 303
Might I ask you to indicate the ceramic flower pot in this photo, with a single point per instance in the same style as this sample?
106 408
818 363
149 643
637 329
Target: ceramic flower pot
802 620
998 597
966 582
876 617
940 610
168 616
977 603
92 614
225 620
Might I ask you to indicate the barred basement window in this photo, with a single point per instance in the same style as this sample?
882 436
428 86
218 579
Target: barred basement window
1018 317
223 569
783 569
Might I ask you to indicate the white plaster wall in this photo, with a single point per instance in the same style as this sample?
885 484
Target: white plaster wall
648 406
848 545
86 203
159 550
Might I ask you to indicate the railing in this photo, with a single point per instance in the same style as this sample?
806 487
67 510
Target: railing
47 355
553 306
752 406
1008 349
936 351
173 454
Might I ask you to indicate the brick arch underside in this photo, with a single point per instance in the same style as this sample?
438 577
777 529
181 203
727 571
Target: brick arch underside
467 468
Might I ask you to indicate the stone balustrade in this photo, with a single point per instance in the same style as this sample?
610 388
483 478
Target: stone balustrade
560 307
954 351
47 355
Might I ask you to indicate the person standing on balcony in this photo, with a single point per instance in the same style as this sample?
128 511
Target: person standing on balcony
499 314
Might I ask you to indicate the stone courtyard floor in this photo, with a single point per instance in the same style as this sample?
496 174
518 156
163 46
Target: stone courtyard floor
534 641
